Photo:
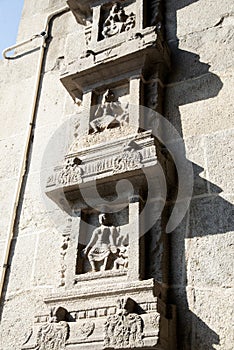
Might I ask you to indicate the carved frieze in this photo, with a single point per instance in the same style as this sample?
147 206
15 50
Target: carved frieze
124 329
106 159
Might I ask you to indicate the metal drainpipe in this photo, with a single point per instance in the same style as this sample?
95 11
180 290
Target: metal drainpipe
10 231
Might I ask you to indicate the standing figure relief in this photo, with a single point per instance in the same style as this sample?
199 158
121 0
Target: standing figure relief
102 245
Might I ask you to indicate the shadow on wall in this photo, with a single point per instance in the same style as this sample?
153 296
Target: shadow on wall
209 214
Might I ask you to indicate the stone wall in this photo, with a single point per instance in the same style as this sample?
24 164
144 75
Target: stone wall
197 102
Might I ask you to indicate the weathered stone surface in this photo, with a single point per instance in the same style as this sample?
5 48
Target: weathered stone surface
46 258
220 158
200 111
13 125
197 18
6 205
199 104
210 261
36 213
211 215
22 264
15 329
211 324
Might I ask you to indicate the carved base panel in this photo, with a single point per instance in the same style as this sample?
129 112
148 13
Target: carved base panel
119 317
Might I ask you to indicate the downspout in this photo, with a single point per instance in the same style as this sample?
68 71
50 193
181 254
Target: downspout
31 122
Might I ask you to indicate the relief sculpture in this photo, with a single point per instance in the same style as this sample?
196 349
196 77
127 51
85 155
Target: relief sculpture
125 328
110 111
53 334
101 244
106 249
118 21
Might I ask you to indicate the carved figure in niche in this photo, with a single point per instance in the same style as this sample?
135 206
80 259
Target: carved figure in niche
53 335
108 112
117 21
101 245
122 260
125 328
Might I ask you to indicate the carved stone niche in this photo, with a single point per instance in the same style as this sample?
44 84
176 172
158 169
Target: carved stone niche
115 17
105 62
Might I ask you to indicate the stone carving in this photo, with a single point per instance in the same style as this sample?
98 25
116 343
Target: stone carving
122 261
106 135
124 329
71 173
53 334
109 112
118 21
101 245
63 252
87 328
127 161
155 321
27 336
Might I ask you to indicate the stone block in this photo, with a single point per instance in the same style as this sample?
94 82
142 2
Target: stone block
6 203
72 51
16 114
213 319
11 153
52 100
38 213
47 258
199 15
195 107
64 25
209 250
18 316
220 159
195 56
22 263
195 153
210 262
211 216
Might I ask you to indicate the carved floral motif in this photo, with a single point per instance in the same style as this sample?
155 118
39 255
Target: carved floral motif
124 329
87 328
71 173
127 161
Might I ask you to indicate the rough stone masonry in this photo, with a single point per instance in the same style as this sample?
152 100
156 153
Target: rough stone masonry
90 176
